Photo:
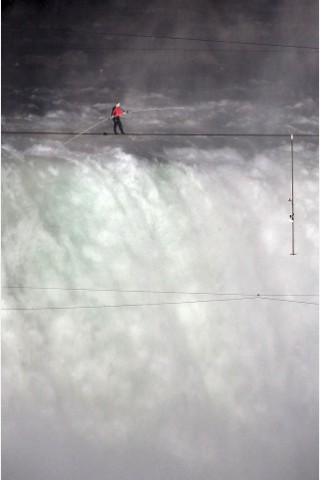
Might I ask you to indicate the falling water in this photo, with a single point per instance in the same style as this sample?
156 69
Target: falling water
227 383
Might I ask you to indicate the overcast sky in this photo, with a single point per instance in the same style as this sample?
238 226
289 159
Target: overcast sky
209 390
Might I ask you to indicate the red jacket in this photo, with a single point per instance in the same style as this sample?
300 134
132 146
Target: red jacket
116 112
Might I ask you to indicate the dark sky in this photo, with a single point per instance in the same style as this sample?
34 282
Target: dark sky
80 65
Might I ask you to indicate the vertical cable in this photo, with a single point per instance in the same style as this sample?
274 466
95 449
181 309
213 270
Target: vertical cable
292 198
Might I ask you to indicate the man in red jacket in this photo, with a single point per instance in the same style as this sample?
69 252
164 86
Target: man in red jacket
115 115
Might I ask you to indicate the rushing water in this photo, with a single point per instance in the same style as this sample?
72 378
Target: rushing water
223 389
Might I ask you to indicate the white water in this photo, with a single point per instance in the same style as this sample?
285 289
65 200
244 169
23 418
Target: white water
210 390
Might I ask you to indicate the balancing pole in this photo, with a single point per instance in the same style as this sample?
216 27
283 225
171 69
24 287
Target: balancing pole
86 130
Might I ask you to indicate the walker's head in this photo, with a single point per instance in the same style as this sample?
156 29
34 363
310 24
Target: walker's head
118 104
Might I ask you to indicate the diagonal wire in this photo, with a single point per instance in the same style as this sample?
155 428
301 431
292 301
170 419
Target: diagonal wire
127 304
188 302
163 37
173 292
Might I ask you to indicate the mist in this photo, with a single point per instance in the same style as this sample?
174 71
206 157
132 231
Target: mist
156 324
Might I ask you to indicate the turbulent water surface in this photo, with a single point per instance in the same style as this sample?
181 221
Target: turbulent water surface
189 389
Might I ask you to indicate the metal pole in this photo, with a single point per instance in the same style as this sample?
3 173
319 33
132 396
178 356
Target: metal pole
292 198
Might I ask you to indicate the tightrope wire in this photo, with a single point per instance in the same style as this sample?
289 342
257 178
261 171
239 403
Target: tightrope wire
204 134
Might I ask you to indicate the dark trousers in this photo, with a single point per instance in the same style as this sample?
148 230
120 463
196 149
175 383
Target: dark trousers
117 123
